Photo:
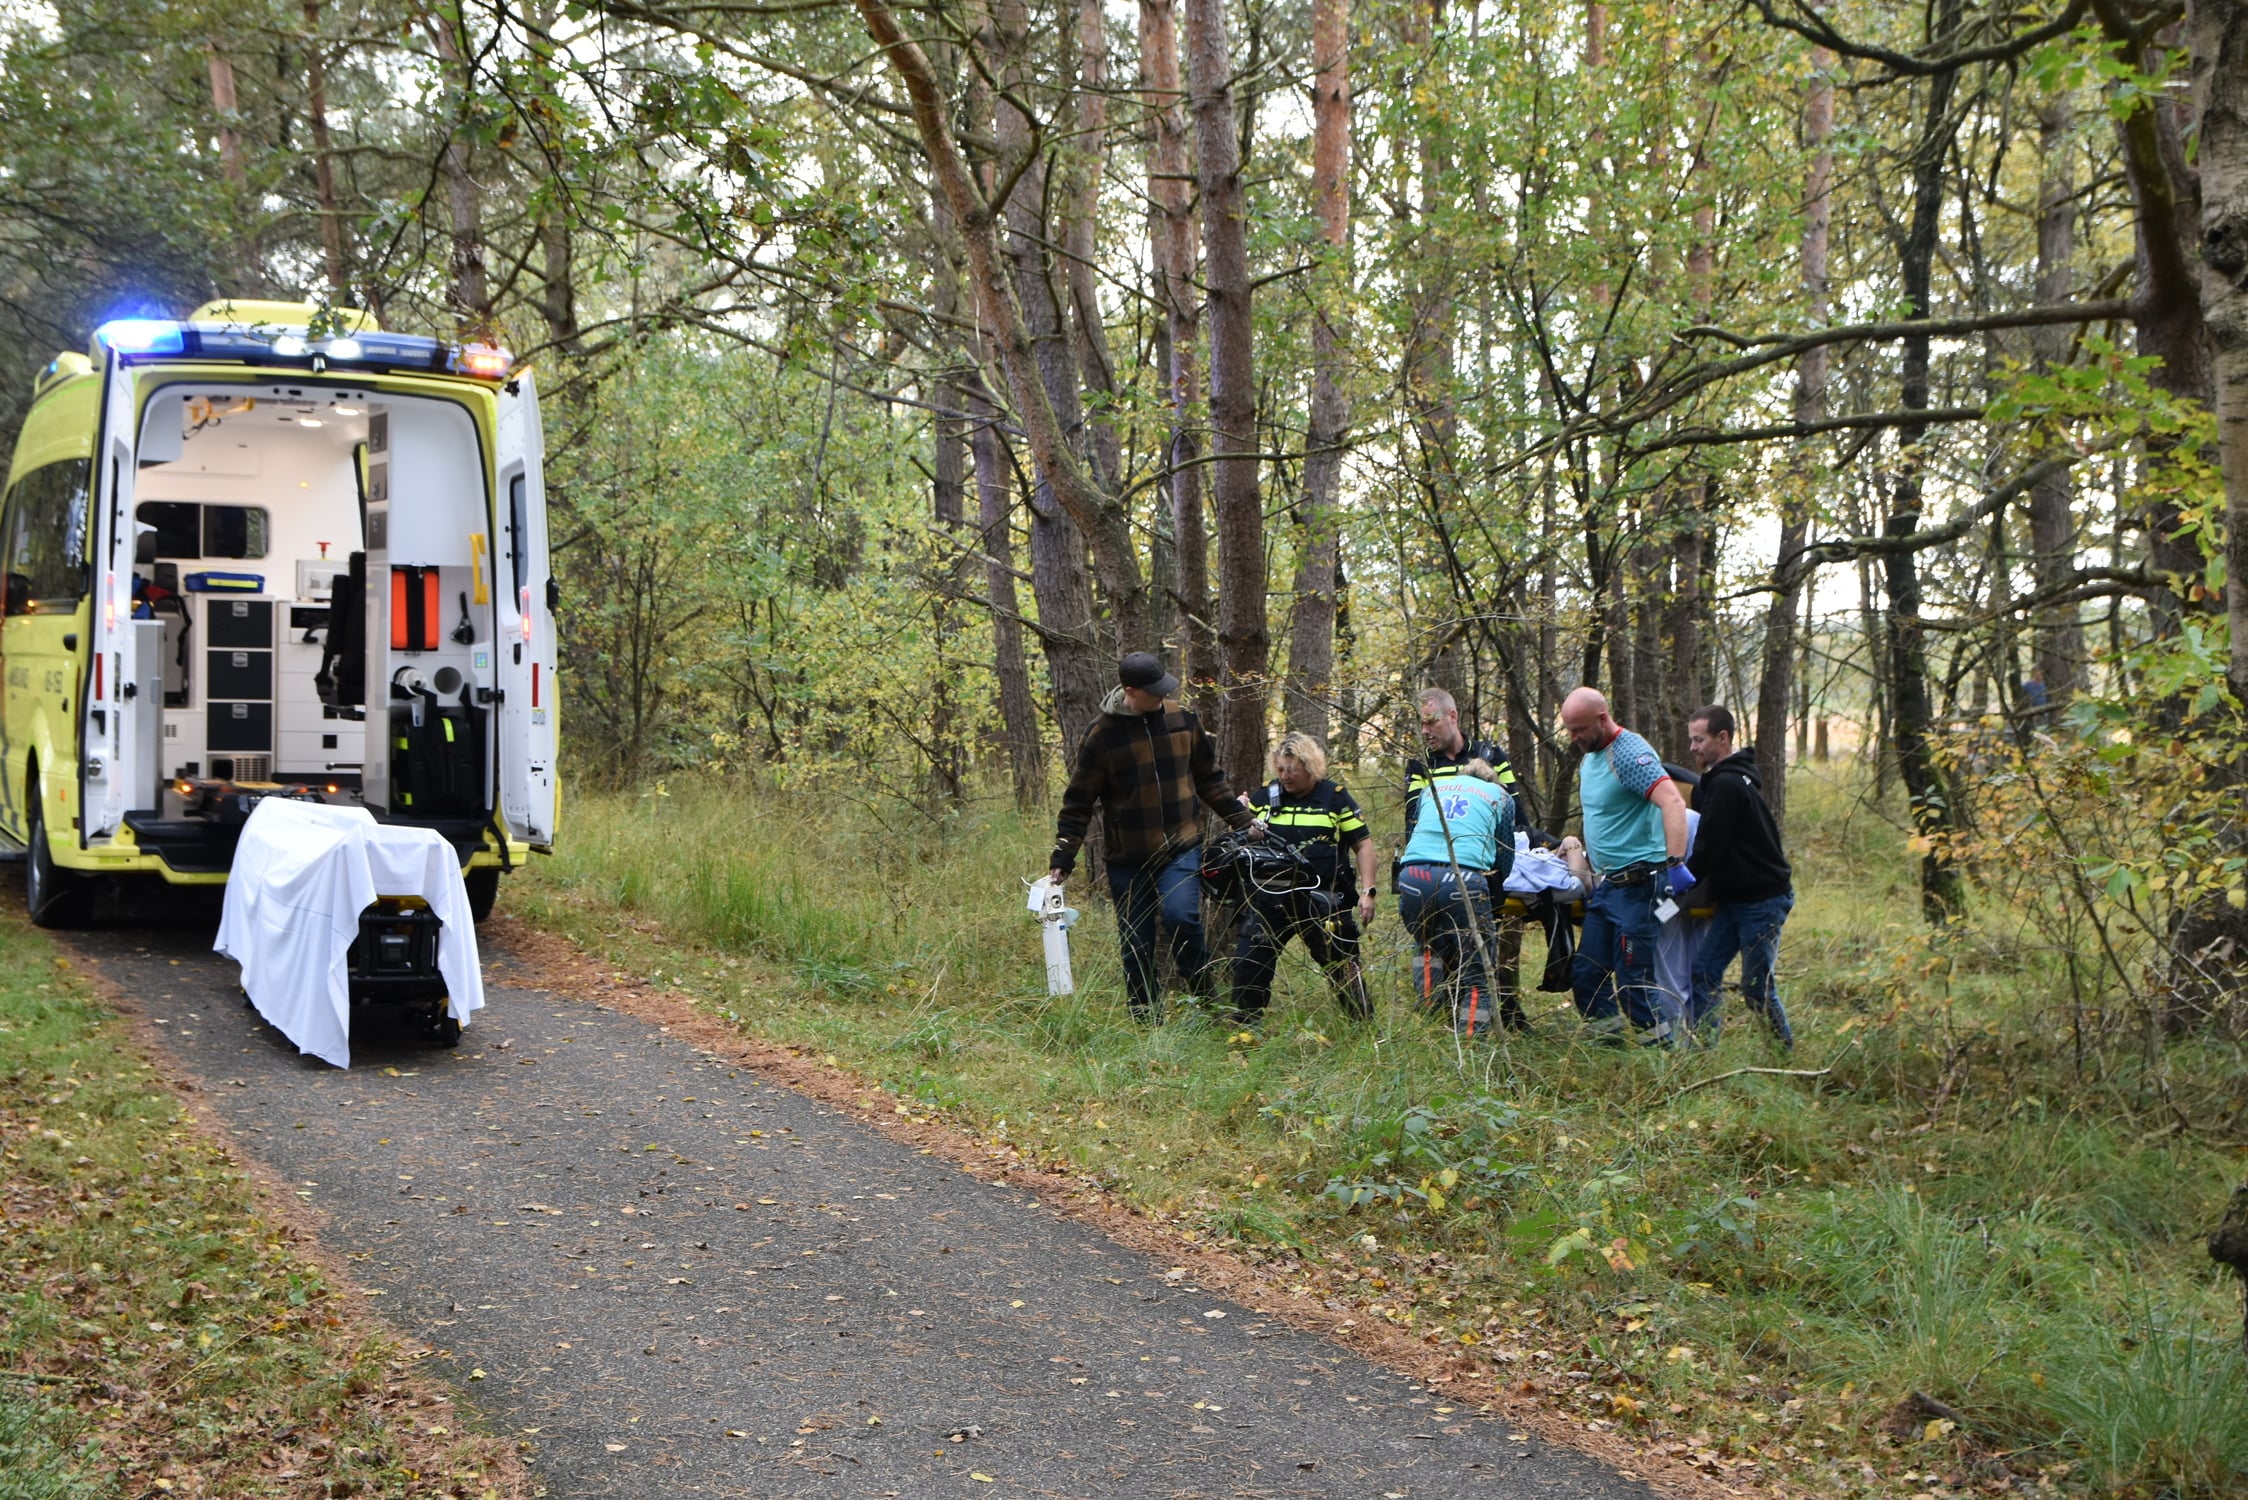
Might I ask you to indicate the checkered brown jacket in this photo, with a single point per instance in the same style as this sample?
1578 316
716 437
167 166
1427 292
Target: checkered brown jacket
1150 773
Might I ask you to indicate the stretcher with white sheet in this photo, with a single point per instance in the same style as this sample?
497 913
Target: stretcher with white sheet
331 913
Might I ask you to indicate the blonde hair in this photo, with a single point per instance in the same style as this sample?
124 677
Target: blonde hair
1305 751
1480 769
1437 699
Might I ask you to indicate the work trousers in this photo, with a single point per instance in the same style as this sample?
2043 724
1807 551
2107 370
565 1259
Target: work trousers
1613 975
1450 914
1329 929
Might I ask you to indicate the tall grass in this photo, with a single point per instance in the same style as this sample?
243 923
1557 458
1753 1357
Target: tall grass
1958 1209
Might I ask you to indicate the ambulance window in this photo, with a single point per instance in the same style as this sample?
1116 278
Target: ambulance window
187 530
233 531
46 538
518 527
179 526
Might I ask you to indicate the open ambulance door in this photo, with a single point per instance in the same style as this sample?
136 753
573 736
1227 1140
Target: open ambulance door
524 663
116 766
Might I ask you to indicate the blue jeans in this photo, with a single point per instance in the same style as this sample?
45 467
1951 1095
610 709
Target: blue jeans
1452 918
1615 962
1752 930
1172 891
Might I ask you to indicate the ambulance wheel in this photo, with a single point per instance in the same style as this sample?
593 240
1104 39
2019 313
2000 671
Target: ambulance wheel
55 897
483 891
448 1031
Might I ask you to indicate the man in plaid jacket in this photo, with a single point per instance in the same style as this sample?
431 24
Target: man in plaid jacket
1152 769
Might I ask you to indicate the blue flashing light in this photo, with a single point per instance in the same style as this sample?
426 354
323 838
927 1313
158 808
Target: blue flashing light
345 348
143 336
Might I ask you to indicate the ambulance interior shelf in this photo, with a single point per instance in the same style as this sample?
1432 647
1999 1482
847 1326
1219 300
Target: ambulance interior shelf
437 728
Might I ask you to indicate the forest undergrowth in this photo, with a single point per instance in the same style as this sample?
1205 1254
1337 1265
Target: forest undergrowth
1967 1258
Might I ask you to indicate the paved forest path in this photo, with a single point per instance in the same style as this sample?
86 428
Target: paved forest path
680 1278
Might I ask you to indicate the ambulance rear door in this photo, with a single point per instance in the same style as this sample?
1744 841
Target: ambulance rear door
115 774
523 661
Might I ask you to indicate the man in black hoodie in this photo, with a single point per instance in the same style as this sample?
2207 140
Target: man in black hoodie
1738 862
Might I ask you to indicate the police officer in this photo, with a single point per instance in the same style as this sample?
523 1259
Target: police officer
1310 813
1449 751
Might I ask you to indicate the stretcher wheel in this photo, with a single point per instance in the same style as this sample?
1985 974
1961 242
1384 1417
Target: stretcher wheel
448 1031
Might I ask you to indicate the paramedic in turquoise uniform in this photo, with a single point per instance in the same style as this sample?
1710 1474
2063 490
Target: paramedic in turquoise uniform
1635 839
1461 849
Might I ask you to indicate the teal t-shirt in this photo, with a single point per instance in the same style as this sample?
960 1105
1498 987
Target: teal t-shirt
1621 826
1480 816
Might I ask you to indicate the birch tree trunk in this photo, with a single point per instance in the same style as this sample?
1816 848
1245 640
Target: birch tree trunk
2052 520
1243 639
2219 34
1311 629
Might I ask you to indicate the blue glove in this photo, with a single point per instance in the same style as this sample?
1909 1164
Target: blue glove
1681 880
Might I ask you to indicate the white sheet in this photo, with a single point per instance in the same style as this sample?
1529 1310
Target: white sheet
302 875
1538 870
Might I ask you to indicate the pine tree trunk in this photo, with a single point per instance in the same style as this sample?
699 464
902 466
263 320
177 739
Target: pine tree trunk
1171 229
1243 638
1311 631
1080 235
1788 585
1914 722
1026 361
1018 708
323 157
1078 648
467 289
225 104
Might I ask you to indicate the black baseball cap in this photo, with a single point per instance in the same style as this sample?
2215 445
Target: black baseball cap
1144 670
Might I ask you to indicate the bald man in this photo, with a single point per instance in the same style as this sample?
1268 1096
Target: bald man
1635 839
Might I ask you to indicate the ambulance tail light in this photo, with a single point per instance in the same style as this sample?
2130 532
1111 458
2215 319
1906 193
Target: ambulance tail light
523 612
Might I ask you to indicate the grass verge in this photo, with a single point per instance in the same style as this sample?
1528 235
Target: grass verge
1960 1261
159 1334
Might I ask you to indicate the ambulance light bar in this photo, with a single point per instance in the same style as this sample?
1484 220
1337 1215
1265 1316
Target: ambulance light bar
152 338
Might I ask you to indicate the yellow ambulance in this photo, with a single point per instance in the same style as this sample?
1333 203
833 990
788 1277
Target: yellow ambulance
272 550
